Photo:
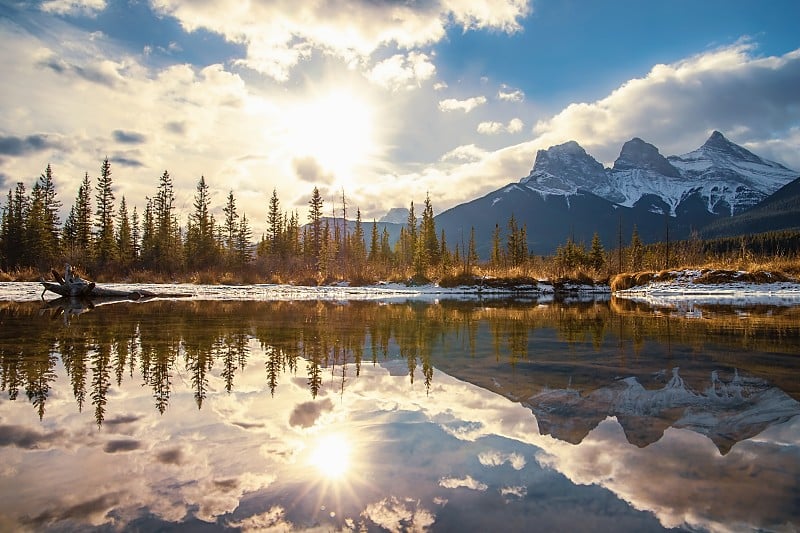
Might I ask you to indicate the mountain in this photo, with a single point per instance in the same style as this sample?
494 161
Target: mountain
780 211
570 194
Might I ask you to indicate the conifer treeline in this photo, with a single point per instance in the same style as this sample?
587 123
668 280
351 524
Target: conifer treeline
109 240
103 237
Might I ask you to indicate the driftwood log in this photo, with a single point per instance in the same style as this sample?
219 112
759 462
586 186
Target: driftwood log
72 286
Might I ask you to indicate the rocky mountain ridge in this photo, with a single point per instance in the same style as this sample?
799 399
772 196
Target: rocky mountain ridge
724 176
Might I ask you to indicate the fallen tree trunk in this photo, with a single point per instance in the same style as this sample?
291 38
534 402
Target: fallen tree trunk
72 286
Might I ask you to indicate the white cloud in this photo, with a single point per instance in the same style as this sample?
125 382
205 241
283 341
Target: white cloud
467 482
676 106
495 458
278 35
491 128
439 86
402 72
467 152
74 7
467 105
507 94
515 125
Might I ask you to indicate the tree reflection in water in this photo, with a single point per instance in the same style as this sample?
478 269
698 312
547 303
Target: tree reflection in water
158 340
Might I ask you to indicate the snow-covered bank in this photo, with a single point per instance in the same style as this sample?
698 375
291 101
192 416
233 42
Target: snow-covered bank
381 292
682 289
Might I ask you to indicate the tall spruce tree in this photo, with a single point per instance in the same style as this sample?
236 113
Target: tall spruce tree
105 244
274 225
201 249
83 219
427 233
231 227
124 235
315 219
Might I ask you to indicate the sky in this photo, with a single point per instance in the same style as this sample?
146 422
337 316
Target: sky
383 101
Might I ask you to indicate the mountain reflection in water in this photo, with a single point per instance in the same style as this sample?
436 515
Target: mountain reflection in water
406 416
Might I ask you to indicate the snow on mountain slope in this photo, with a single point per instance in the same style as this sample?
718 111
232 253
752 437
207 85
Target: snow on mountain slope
727 177
728 173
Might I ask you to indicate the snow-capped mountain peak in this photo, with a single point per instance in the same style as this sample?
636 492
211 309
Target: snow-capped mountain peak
724 176
565 169
637 154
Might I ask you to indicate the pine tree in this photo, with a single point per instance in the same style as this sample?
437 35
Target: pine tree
50 218
13 227
374 244
597 255
124 235
201 249
358 254
135 235
427 232
472 254
230 227
637 251
105 249
497 253
243 237
315 218
83 218
274 225
386 249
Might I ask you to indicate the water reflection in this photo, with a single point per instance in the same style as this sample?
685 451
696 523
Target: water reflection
297 415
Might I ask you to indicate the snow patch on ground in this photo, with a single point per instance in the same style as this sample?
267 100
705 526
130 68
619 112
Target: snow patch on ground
681 290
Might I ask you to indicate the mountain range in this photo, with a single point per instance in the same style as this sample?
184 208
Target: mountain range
569 194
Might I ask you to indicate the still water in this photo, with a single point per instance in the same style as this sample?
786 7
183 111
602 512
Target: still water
412 416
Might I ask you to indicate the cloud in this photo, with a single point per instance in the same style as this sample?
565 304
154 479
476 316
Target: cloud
87 8
128 137
278 36
468 152
171 456
13 145
22 437
114 446
306 414
402 72
506 94
309 170
676 106
451 104
515 125
396 515
467 482
494 458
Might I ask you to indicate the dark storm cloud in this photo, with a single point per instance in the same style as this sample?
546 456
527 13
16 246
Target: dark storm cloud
22 437
306 414
128 137
114 446
12 145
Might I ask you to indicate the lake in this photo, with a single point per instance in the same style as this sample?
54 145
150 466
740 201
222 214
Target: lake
449 415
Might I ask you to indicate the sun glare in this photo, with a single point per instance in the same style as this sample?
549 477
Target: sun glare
331 456
336 129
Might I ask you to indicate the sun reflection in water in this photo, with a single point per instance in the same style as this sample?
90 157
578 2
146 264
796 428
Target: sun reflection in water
331 456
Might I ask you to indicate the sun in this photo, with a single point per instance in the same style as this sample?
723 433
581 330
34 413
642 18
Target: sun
337 129
331 456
